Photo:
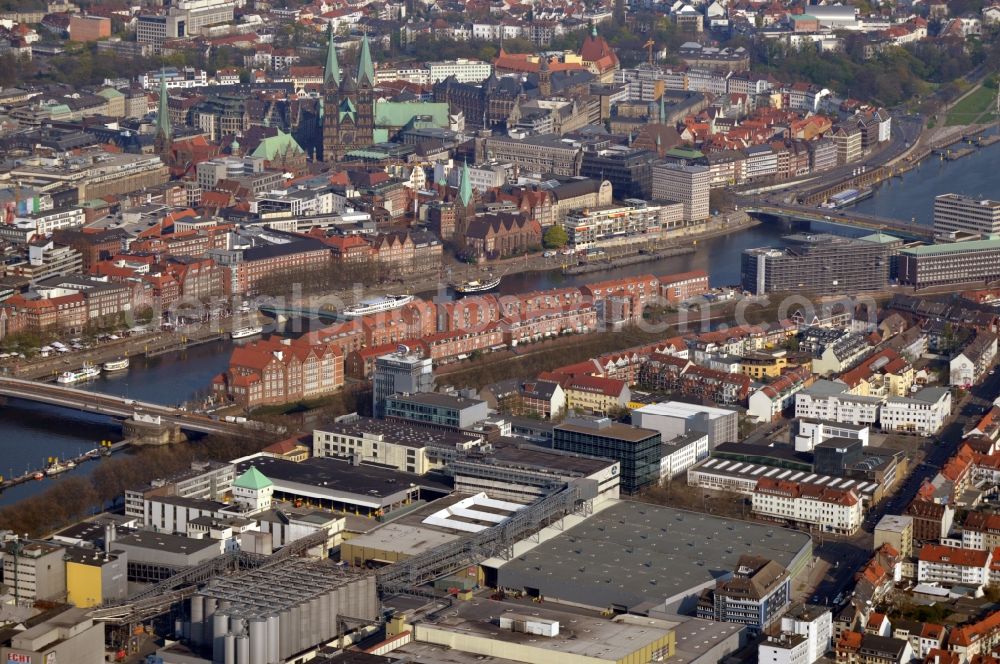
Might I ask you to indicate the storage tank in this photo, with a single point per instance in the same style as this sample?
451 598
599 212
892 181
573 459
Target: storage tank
285 634
229 644
273 640
242 650
197 631
258 641
220 628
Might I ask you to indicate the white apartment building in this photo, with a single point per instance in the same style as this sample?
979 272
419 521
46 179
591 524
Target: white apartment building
684 183
188 77
827 400
821 508
414 75
616 224
784 649
813 622
923 413
949 565
463 69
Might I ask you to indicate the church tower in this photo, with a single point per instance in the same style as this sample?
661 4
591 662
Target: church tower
544 77
348 104
163 139
465 208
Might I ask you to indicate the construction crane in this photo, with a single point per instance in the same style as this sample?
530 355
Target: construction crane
649 47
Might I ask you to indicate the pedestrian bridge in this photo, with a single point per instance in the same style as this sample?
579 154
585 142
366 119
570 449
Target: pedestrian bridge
115 406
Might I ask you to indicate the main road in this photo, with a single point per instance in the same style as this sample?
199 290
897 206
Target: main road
114 406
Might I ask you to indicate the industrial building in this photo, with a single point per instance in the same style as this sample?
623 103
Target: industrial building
343 486
821 263
642 558
444 521
68 636
272 614
523 473
678 418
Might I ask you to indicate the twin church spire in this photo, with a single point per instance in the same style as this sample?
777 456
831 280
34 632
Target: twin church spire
332 75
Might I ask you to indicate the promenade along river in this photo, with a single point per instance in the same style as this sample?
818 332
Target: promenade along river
29 433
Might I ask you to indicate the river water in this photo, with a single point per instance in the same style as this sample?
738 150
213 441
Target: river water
29 432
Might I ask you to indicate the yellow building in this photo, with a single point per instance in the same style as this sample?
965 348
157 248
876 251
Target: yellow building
763 365
597 395
93 577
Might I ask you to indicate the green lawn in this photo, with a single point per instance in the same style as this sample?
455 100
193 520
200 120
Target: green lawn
969 110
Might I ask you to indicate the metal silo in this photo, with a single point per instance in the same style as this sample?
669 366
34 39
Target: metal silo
273 640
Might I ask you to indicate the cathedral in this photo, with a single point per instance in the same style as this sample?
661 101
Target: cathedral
348 104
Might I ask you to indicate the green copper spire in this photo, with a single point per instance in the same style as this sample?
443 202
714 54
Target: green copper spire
663 108
331 74
163 110
465 186
593 30
366 69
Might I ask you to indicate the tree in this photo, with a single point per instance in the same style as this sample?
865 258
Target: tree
555 237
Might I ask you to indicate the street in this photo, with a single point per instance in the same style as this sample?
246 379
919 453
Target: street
844 557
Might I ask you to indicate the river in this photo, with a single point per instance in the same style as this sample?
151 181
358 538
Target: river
29 433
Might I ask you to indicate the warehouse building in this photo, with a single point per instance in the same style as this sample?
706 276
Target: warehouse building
678 418
343 486
643 559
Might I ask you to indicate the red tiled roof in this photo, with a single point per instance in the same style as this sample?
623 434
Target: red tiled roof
936 553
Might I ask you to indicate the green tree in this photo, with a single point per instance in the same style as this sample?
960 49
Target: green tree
555 237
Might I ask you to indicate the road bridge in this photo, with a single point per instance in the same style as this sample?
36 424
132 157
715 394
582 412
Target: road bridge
115 406
903 229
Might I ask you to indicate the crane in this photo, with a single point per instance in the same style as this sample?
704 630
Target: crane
649 47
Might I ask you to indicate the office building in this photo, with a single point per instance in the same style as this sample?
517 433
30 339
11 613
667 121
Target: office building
685 183
436 409
950 263
629 170
956 213
756 594
821 262
678 418
638 450
402 371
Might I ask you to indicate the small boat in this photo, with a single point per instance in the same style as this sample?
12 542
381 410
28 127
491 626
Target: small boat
38 475
376 305
476 286
88 372
57 467
116 365
244 332
847 197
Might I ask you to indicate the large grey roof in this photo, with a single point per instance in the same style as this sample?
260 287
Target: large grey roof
635 554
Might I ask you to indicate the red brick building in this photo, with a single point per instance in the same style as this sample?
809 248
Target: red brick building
683 286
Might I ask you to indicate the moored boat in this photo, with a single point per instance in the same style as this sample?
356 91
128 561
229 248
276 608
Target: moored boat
476 285
88 372
244 332
376 305
120 364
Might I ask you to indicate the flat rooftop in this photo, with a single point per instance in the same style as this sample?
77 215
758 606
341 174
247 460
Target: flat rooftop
398 433
615 430
685 410
338 475
166 542
634 554
744 470
404 538
516 454
580 635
